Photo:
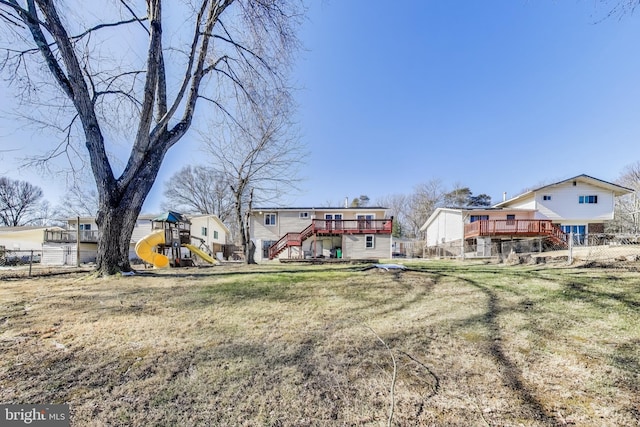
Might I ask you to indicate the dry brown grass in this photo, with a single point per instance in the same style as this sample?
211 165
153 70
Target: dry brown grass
312 346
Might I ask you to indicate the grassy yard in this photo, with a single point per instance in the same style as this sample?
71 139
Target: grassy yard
442 344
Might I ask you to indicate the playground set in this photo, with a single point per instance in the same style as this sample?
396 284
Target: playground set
165 245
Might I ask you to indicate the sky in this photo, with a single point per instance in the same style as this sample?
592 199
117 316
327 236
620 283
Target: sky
497 96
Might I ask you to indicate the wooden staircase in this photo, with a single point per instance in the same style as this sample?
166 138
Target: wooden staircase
331 227
290 240
516 228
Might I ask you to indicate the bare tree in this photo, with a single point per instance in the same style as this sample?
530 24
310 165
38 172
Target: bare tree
80 199
44 215
19 201
426 197
627 207
212 51
199 189
259 157
397 207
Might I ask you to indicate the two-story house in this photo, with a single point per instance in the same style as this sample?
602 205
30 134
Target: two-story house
302 233
79 238
576 206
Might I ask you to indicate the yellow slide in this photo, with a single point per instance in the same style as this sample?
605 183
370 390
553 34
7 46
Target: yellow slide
205 256
144 249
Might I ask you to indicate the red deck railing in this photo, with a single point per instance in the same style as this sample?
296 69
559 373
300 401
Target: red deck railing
329 227
513 227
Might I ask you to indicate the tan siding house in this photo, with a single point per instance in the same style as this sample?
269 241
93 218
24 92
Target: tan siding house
23 238
296 233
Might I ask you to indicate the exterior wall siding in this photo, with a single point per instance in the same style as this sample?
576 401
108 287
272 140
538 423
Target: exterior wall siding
354 247
447 226
22 240
290 221
66 253
525 203
211 224
564 207
140 230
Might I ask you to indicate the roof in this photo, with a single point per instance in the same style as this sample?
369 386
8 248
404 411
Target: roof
215 218
618 190
461 211
29 228
328 208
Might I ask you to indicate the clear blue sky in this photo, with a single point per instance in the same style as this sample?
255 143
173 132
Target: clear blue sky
495 95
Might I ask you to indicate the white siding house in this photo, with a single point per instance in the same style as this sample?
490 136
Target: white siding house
581 204
578 205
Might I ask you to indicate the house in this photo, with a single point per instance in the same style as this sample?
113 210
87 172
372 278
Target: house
576 206
210 231
62 246
25 238
77 240
297 233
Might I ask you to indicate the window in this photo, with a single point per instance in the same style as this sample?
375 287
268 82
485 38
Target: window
203 231
546 197
370 241
215 234
475 218
364 221
270 219
85 226
304 215
511 217
587 199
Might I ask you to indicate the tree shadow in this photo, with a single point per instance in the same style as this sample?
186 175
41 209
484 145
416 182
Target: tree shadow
510 372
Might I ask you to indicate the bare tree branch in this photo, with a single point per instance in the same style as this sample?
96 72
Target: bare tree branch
109 91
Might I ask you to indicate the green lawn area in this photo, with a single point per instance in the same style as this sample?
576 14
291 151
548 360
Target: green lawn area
443 343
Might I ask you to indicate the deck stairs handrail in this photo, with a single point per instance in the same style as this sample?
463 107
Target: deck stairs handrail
516 227
290 239
331 227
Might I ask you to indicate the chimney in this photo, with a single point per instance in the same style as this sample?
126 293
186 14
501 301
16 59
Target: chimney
346 202
504 196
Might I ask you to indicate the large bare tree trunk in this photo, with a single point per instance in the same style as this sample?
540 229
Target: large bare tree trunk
255 49
117 215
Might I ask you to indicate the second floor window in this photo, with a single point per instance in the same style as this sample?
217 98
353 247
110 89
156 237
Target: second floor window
203 231
546 197
270 219
587 199
475 218
215 234
85 226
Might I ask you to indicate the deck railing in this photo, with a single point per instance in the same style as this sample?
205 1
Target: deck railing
331 226
353 226
513 227
70 236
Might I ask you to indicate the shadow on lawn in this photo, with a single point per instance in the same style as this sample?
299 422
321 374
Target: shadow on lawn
511 374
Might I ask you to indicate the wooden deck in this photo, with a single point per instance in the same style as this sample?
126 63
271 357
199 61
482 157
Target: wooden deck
331 227
513 228
71 236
